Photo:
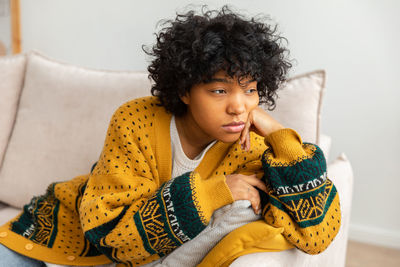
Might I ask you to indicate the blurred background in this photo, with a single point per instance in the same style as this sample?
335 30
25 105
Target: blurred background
356 41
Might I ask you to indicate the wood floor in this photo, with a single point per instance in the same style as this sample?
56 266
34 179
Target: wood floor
365 255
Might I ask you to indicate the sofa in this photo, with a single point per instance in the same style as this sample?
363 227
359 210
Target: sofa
54 117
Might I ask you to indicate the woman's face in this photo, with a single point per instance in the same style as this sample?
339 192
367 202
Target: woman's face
220 108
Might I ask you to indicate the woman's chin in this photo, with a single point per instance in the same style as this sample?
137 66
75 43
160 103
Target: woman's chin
231 138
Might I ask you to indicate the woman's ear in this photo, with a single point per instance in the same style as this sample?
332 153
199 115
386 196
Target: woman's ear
185 98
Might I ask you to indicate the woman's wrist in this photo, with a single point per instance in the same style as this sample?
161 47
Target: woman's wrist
274 128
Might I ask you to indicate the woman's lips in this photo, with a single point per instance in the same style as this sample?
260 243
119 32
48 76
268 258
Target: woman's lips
233 128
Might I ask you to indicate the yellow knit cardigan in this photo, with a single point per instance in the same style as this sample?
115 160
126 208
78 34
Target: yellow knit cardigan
130 211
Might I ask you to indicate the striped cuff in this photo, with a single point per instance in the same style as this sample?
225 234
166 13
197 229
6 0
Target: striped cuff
180 209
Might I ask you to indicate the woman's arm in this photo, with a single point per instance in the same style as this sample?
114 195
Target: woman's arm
300 197
128 215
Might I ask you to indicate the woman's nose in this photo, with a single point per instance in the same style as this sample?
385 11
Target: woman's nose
236 105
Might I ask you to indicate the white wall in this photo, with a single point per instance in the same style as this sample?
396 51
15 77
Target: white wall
5 25
357 43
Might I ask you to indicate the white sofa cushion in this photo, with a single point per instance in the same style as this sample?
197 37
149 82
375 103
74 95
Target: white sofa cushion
12 70
61 123
299 104
7 213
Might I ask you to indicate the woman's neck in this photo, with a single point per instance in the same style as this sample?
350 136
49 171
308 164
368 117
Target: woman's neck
193 139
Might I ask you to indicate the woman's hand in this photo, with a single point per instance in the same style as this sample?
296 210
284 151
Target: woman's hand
244 187
259 122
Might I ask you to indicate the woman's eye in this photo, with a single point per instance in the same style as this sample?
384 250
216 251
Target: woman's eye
251 90
218 92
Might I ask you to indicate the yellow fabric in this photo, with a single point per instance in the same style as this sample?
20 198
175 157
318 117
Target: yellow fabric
250 238
290 150
211 195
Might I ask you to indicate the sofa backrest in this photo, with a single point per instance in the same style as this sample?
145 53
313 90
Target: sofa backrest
12 72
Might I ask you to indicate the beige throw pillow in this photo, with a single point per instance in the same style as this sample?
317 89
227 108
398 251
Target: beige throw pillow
61 124
12 70
299 105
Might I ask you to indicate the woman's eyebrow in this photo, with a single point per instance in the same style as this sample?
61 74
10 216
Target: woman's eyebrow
223 80
250 81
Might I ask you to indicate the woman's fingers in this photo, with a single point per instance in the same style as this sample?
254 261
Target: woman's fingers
254 181
244 187
254 198
245 136
248 140
251 194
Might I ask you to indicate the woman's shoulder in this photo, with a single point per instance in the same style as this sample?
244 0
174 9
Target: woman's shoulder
140 105
138 110
137 120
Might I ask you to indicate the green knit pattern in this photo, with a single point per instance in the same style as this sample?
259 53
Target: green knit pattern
38 221
169 218
302 189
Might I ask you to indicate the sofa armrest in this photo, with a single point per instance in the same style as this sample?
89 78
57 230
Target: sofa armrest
325 142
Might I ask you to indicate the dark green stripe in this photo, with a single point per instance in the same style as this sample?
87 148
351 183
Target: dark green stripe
94 165
310 222
84 247
23 222
185 210
79 196
302 172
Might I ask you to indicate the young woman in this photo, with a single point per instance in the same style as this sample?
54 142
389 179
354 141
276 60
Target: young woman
170 160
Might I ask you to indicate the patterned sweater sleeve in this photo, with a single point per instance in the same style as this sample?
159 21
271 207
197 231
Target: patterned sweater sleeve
131 218
301 198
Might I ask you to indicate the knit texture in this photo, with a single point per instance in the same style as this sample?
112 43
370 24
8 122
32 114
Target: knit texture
301 197
129 210
224 220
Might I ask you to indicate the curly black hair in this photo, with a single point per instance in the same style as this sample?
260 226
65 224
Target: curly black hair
192 48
